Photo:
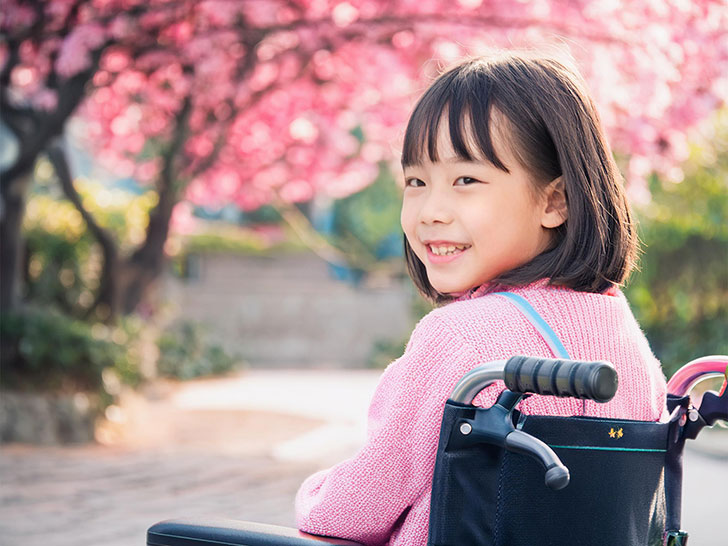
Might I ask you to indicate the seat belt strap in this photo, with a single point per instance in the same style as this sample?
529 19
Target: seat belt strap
548 335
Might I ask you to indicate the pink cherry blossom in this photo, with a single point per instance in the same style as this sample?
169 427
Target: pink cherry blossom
75 51
281 100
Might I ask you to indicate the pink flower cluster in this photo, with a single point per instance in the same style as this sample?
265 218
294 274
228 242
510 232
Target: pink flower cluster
285 101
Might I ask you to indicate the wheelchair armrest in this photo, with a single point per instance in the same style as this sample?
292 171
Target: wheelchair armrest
230 532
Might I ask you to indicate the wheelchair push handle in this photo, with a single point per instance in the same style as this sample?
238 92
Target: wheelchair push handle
522 374
559 377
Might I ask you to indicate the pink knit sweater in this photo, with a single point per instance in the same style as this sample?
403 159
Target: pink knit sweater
382 494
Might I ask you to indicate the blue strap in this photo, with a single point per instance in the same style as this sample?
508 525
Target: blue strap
548 335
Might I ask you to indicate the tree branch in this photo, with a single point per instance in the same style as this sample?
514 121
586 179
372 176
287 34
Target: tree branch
57 157
35 130
168 190
308 234
14 42
109 246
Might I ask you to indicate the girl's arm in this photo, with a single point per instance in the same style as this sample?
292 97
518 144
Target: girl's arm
364 497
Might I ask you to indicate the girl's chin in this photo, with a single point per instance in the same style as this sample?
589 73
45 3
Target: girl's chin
457 294
449 290
456 289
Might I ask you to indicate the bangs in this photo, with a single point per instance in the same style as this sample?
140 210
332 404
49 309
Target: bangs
464 98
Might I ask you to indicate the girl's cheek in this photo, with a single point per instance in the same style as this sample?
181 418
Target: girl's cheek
405 217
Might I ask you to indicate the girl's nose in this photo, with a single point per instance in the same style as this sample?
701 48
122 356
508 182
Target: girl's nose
436 209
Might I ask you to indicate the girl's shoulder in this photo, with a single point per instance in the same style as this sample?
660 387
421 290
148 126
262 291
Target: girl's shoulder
478 320
479 308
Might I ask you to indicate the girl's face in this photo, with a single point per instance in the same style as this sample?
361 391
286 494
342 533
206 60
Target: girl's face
469 222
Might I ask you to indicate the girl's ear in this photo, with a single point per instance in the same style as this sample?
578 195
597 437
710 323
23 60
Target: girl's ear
555 211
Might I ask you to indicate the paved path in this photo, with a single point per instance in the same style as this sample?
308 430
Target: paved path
237 448
96 496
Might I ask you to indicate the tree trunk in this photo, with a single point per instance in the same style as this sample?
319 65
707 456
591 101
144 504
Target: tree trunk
12 195
146 264
34 131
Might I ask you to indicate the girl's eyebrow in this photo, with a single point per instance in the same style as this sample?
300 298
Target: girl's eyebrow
452 160
456 159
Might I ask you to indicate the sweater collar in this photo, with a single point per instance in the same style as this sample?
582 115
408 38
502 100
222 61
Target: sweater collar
482 290
490 287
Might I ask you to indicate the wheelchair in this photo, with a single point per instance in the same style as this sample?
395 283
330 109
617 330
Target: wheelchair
505 479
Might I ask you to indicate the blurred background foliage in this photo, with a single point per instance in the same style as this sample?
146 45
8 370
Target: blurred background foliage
62 265
53 352
53 343
366 224
680 294
186 351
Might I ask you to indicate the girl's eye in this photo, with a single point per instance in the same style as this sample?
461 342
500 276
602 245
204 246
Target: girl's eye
466 180
413 183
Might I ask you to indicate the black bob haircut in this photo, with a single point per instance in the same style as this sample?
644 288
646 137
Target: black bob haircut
553 130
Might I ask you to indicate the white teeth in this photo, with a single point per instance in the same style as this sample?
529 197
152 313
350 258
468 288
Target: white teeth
445 250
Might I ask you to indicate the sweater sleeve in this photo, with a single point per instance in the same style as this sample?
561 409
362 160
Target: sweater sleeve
363 498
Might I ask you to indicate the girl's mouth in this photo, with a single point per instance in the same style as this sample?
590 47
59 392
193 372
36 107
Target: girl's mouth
444 252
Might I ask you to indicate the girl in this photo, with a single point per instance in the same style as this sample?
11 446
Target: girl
509 185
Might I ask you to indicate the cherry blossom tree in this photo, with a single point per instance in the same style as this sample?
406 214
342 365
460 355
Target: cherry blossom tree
263 101
49 51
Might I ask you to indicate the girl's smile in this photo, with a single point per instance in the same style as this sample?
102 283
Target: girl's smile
444 251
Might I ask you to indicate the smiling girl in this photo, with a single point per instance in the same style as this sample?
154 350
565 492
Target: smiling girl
509 185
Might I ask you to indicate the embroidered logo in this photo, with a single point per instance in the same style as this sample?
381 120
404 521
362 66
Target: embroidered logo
615 433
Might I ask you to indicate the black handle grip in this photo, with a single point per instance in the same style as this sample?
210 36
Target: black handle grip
578 379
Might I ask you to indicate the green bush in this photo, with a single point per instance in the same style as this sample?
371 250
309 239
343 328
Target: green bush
56 273
366 224
680 295
63 262
44 350
186 352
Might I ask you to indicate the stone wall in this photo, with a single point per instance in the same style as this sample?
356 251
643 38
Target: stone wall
287 311
47 419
